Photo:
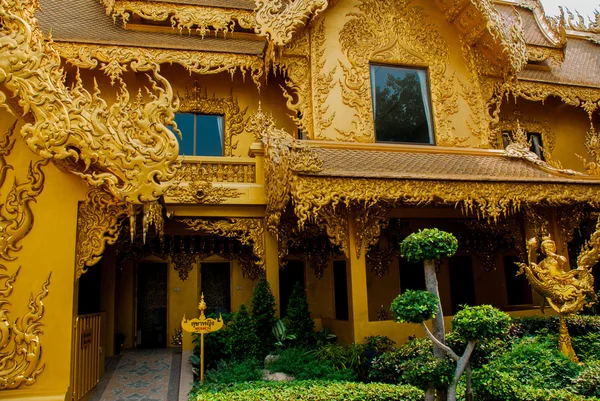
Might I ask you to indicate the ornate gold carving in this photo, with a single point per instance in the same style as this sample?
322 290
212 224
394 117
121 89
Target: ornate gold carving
197 101
183 263
491 201
16 216
296 70
114 60
181 16
565 291
369 222
578 23
284 154
394 32
201 192
553 28
334 220
279 20
540 53
592 145
249 231
98 224
568 220
322 82
222 171
20 343
125 147
379 260
177 338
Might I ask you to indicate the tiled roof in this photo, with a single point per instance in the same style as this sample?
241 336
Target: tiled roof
581 66
532 32
436 166
239 4
85 21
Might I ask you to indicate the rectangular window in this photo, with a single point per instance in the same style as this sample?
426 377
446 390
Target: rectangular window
533 138
401 105
202 135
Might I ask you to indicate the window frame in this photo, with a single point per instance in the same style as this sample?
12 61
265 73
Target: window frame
194 144
432 133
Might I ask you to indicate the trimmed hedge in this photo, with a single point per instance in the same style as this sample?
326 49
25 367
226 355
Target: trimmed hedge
531 325
309 391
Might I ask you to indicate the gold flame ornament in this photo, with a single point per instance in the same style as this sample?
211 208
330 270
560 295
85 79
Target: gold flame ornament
566 291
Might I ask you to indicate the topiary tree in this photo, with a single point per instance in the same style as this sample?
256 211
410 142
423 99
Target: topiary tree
242 342
426 246
298 320
471 324
263 316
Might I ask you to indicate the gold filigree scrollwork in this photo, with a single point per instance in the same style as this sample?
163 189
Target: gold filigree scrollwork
182 16
577 23
196 100
379 259
334 220
491 201
202 192
183 263
279 20
554 57
322 82
592 145
114 60
250 268
568 220
98 224
369 222
283 155
537 220
126 147
395 32
16 216
249 231
20 342
296 70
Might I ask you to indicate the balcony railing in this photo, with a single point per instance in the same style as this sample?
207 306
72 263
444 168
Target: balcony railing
218 169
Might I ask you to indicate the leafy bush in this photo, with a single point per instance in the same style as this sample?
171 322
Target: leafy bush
415 306
241 342
532 325
536 362
324 337
587 346
428 244
282 337
263 315
235 372
380 344
480 323
301 364
588 381
484 351
308 390
214 343
298 318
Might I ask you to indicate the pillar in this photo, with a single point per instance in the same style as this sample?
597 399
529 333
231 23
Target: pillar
358 298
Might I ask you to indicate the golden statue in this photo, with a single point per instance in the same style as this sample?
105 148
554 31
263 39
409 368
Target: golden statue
566 291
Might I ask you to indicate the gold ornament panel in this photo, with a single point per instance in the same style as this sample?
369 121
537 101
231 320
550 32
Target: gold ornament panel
182 16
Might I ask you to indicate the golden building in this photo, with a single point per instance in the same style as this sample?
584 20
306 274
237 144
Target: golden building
315 135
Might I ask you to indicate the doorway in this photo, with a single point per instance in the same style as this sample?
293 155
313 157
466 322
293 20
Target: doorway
152 305
215 284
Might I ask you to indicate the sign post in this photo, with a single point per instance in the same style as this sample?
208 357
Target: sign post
202 325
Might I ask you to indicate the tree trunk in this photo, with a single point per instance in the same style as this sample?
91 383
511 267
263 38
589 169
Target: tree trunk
431 285
430 394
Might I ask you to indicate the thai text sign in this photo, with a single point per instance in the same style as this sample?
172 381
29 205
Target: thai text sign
202 325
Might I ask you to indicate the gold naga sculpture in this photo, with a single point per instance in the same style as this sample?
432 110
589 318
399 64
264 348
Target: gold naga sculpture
566 291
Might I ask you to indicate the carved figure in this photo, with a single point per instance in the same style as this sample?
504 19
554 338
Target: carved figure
566 291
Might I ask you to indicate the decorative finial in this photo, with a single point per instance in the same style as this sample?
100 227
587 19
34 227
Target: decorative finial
202 306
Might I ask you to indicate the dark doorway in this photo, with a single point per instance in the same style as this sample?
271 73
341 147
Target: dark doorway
518 291
215 285
340 289
292 273
412 276
89 298
462 289
152 305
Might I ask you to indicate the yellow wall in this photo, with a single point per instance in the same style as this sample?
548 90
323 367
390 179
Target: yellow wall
48 248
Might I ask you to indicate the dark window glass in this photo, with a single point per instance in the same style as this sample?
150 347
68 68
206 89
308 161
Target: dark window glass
215 285
340 290
202 135
518 291
401 105
536 144
462 289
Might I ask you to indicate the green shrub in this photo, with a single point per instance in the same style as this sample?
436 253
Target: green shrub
415 306
532 325
302 365
263 316
214 343
588 381
298 320
480 323
235 372
308 391
428 244
380 344
587 346
484 351
241 342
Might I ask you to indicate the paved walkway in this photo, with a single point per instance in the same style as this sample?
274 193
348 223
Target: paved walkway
141 375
